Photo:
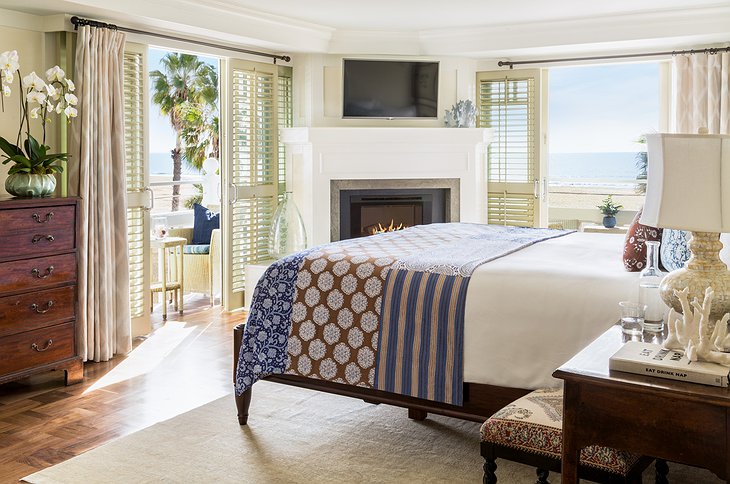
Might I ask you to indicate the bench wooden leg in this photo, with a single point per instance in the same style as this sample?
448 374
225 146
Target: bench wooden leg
542 476
489 467
662 470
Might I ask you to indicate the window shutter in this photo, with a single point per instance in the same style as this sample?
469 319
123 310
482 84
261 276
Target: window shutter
255 165
509 105
285 120
134 140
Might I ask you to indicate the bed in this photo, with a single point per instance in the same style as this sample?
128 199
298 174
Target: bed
525 309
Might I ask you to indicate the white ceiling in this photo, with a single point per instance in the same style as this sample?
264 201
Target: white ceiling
472 28
414 15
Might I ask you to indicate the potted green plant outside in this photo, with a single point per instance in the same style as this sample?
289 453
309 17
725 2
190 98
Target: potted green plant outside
609 209
33 166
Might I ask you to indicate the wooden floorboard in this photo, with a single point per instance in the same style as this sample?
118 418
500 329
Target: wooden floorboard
182 365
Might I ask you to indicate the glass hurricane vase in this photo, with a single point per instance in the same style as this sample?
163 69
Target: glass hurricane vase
287 229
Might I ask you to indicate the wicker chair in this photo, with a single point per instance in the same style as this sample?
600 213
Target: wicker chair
202 264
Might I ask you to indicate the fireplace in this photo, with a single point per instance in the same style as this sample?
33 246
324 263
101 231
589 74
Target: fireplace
369 211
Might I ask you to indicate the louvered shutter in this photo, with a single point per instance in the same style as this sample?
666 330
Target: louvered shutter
137 215
285 120
253 170
510 106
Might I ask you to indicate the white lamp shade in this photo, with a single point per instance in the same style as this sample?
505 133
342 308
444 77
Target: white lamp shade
688 182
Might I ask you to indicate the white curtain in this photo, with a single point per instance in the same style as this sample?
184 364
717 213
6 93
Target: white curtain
702 93
97 175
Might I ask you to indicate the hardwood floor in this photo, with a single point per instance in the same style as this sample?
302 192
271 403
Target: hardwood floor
183 364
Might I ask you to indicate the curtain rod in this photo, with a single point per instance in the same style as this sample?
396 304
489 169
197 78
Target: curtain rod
78 21
710 51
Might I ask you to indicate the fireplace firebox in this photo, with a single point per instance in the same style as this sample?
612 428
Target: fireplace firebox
371 211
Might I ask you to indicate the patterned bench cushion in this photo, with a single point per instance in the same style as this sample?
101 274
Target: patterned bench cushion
196 249
534 423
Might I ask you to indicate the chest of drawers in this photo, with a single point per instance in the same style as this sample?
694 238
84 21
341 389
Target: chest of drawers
38 273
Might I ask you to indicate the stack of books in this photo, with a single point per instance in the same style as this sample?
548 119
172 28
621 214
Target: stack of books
653 360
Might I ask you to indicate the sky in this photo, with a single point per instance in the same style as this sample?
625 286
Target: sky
602 108
162 137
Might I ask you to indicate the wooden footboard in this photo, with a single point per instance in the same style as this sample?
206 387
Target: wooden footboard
480 401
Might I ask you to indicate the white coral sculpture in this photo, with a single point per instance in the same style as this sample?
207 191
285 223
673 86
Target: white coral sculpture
694 332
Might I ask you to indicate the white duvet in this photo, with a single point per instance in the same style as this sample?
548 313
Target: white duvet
529 312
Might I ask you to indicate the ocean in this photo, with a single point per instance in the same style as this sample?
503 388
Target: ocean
603 166
161 164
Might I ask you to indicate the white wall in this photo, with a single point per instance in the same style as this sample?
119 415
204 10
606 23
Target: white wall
318 89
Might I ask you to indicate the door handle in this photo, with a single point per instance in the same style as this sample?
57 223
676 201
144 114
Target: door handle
151 199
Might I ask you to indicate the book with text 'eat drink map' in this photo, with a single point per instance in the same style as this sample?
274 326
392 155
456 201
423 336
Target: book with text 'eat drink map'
652 360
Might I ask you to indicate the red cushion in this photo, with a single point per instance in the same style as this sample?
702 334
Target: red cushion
634 247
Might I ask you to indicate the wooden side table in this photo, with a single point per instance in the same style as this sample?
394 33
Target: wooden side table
672 420
170 248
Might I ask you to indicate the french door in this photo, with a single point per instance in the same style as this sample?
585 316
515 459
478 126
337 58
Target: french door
138 193
509 103
251 171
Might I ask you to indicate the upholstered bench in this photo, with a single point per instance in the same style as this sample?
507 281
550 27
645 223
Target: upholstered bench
529 431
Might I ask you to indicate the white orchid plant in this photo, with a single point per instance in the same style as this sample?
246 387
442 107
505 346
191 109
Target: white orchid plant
39 99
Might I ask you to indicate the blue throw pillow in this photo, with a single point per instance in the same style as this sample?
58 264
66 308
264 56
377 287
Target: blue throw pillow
674 251
204 223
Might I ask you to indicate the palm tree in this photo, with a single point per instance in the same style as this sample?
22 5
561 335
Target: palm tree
186 80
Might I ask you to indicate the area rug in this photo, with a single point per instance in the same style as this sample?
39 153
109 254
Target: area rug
300 436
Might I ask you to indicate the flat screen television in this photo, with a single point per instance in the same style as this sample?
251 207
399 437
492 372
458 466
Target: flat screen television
390 89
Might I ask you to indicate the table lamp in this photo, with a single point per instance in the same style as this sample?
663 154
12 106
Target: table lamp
688 188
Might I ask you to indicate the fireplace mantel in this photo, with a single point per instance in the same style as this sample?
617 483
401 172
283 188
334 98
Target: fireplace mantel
316 156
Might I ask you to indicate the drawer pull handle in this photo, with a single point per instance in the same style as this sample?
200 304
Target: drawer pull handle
39 349
37 308
37 272
37 217
38 237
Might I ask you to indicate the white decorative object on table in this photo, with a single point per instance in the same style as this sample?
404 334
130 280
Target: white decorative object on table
463 114
696 333
211 183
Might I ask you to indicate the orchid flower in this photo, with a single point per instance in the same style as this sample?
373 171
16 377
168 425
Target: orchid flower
9 62
34 82
71 99
36 97
55 73
52 91
28 155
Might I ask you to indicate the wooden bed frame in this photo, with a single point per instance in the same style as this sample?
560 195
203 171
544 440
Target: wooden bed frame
480 401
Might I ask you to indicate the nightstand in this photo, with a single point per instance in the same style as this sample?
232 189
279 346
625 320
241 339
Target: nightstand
671 420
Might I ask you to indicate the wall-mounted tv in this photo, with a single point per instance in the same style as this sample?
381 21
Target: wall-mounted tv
390 89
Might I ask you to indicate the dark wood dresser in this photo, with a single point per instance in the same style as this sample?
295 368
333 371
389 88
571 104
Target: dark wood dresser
38 272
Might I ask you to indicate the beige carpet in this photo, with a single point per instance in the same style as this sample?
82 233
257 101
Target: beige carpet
300 436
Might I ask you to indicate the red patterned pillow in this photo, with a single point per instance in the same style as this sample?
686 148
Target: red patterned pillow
634 247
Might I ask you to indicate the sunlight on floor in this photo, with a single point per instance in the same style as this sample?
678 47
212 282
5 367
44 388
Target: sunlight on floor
145 357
